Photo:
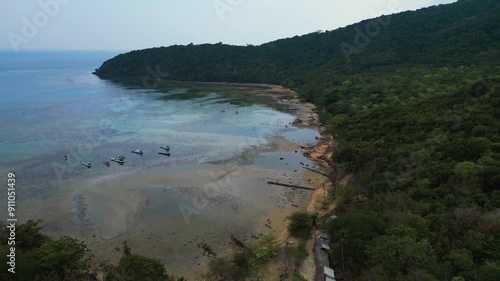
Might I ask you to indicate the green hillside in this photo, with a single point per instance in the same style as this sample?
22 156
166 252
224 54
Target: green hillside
430 51
431 169
461 34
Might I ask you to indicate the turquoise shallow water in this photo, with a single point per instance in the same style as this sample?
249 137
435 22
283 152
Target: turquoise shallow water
53 106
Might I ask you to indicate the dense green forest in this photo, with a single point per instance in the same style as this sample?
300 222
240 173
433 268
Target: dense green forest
462 37
413 101
431 171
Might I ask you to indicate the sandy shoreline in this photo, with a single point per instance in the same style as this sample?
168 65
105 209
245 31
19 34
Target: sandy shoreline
129 205
278 217
275 221
107 210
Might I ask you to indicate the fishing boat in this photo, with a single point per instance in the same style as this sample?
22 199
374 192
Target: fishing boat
121 162
138 151
166 154
167 148
120 157
106 163
88 165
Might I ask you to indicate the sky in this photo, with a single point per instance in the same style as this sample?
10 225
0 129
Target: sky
130 25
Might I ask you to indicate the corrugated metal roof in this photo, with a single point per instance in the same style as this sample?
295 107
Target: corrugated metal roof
329 272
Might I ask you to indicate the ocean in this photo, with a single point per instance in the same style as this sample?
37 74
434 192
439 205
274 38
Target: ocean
55 114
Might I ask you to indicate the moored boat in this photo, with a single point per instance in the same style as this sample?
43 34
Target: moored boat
138 151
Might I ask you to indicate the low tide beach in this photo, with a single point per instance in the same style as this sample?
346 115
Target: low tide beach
227 142
174 212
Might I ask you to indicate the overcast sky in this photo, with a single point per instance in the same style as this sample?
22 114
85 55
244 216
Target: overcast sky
128 24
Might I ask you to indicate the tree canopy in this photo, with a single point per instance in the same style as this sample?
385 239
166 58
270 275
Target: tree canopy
413 101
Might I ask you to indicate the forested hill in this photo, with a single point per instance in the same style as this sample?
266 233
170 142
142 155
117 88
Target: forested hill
431 169
413 100
460 34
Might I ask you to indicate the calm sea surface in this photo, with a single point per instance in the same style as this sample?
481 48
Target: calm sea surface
53 106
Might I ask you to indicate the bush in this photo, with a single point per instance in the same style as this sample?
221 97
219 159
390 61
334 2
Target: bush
301 224
136 267
298 277
266 248
223 269
42 257
241 264
299 253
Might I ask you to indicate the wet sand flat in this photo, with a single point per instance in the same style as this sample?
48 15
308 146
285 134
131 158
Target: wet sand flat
166 209
214 185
